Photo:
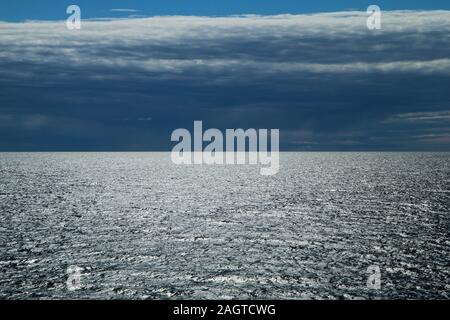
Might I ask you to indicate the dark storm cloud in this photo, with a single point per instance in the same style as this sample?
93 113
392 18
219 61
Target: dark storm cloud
325 80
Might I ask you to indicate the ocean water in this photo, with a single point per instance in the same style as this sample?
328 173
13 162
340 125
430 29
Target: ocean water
141 227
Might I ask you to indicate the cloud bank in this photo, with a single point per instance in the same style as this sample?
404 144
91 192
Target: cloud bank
325 80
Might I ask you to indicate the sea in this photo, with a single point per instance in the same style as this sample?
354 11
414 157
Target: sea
344 225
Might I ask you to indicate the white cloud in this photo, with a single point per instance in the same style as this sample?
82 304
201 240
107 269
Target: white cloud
427 117
295 43
125 10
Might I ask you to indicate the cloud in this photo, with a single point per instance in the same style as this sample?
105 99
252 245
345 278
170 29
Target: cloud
219 50
324 75
260 45
436 116
125 10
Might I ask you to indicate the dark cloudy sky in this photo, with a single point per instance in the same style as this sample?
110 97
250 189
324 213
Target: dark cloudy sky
323 79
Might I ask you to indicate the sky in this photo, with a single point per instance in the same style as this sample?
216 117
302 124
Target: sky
19 10
137 70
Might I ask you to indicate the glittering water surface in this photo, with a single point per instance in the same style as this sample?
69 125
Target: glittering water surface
142 227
